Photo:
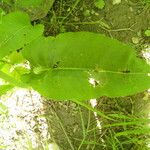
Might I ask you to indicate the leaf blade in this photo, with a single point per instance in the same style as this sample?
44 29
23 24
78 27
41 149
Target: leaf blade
72 59
16 31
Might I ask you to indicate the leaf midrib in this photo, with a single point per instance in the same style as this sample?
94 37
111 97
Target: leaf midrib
89 69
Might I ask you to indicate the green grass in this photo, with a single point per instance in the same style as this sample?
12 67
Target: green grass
125 132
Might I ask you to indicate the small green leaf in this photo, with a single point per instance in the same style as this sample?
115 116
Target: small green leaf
147 32
99 4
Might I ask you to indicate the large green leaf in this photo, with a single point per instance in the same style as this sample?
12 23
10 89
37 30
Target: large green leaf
82 65
16 31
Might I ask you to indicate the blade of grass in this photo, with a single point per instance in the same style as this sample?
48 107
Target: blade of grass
134 132
93 109
127 123
73 7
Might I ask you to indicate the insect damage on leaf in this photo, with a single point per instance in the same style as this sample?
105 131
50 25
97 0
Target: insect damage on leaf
56 65
18 50
94 82
126 71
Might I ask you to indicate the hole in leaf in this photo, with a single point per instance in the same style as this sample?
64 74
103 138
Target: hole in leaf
18 50
126 71
94 82
56 64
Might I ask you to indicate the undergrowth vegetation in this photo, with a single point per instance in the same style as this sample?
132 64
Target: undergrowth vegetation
66 50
